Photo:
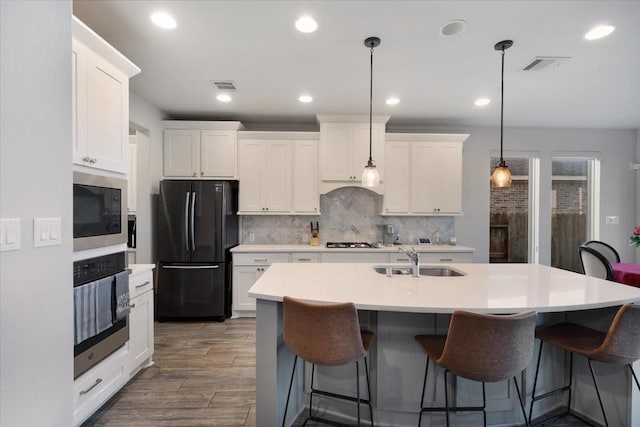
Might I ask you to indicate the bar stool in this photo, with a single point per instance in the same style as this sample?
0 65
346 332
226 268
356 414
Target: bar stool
480 347
328 335
619 345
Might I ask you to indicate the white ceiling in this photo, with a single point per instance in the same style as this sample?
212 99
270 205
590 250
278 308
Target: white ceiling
255 44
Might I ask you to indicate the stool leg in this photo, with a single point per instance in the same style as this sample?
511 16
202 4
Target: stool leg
446 397
634 376
366 372
535 382
358 390
524 414
606 423
424 386
313 371
484 405
570 380
286 406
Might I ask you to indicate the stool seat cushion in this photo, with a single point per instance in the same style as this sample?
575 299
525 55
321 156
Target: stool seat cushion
432 345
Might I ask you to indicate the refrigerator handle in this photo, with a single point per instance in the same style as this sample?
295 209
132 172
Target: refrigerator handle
193 226
186 220
192 267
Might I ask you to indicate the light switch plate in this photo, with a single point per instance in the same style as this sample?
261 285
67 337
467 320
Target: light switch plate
612 220
46 232
9 234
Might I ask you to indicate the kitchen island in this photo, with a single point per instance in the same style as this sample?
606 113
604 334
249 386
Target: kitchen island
397 308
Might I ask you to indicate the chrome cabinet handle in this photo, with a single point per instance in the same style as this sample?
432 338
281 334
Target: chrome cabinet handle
83 392
195 174
191 267
86 159
304 259
132 305
201 173
446 259
143 285
259 260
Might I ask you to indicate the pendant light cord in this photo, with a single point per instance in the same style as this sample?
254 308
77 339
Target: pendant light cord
501 106
371 107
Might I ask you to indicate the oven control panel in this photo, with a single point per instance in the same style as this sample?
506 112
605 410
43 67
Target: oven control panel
91 269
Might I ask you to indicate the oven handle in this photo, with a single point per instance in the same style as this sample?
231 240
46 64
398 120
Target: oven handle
193 226
186 219
192 267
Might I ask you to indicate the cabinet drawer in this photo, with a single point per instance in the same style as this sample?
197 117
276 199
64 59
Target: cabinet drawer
305 257
97 385
446 257
259 258
354 257
140 283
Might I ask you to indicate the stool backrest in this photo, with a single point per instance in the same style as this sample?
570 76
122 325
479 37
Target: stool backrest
594 263
324 334
488 347
622 343
605 249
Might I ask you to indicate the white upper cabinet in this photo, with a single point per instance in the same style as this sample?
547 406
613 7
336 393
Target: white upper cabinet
344 150
100 92
424 174
278 173
200 149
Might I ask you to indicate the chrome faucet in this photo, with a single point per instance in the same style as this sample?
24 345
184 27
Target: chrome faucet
414 256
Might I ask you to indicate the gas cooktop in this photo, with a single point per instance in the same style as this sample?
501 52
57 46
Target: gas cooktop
349 245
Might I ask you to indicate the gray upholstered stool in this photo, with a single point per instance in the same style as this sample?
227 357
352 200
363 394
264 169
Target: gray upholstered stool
329 335
480 347
619 345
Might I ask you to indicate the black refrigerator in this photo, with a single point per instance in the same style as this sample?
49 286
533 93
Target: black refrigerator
197 226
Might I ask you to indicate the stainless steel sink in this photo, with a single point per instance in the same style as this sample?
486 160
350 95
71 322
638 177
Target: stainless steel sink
434 270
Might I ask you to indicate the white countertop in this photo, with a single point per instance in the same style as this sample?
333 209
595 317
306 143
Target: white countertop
492 288
139 268
323 248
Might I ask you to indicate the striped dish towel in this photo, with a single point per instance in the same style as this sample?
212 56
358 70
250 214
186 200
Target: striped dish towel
84 305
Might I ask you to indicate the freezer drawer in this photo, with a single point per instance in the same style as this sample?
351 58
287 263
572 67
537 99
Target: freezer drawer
196 291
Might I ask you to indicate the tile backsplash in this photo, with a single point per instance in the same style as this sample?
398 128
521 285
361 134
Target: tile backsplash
348 214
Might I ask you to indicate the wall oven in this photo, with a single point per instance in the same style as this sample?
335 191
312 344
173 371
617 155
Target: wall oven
101 308
99 211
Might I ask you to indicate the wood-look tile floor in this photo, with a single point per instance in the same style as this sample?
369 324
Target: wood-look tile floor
204 375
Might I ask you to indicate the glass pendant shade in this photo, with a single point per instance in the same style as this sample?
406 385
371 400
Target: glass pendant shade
370 176
501 176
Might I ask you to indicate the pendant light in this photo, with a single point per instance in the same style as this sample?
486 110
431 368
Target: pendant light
370 176
501 176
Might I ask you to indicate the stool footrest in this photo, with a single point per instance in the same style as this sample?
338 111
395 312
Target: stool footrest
550 393
453 409
339 396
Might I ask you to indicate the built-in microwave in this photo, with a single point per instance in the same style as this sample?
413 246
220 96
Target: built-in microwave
99 211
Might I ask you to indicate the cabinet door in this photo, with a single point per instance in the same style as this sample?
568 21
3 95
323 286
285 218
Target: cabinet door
250 164
277 176
305 177
107 115
79 102
132 180
336 152
397 185
181 152
218 154
450 162
243 280
140 330
426 180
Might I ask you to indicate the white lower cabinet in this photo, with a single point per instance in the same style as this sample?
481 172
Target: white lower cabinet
247 269
96 386
354 257
141 339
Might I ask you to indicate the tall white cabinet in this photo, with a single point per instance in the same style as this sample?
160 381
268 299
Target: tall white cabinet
424 174
100 105
278 173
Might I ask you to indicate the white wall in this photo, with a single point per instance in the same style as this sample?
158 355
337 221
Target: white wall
616 148
637 160
146 119
36 302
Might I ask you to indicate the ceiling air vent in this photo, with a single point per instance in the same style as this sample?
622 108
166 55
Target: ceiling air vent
224 84
545 63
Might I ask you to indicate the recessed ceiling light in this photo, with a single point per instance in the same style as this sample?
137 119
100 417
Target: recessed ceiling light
223 97
305 98
306 24
481 102
599 32
453 28
163 20
392 101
